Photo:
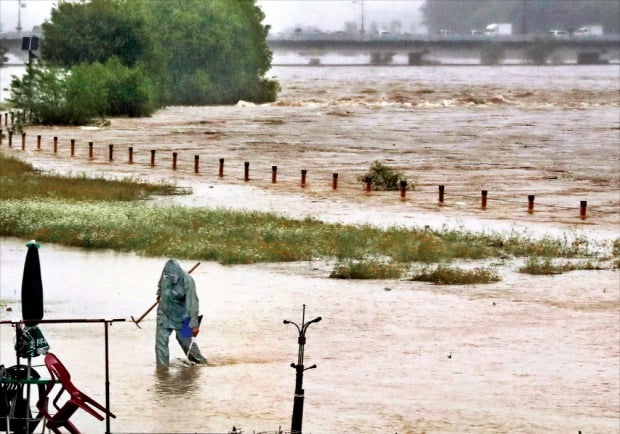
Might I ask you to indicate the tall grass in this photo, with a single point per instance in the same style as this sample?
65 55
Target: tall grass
545 266
366 269
19 180
96 213
443 275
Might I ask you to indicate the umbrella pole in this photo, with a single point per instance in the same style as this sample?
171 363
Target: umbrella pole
107 381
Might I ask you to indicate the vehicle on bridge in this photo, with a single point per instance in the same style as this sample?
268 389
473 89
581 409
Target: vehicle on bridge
498 29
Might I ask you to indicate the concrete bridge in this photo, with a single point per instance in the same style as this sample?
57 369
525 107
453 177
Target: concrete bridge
385 49
422 49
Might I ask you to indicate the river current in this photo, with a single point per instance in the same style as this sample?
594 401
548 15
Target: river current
527 354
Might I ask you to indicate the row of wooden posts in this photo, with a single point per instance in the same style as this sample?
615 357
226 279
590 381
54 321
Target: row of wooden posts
274 171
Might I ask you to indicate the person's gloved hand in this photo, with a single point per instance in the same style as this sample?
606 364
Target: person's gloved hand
195 331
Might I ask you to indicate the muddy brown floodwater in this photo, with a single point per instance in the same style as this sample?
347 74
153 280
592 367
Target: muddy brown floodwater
527 354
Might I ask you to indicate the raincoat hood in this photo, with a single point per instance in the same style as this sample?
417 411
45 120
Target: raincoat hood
177 296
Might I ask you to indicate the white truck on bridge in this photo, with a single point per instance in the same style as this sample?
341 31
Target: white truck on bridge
592 30
498 29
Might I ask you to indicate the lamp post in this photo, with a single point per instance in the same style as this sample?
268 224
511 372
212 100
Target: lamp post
298 403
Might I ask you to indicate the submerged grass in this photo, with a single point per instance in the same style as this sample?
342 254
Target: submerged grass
545 266
104 214
19 180
366 269
443 275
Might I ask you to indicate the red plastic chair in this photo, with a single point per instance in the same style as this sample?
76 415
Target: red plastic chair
77 399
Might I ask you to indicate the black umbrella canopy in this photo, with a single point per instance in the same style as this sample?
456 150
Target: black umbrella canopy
32 286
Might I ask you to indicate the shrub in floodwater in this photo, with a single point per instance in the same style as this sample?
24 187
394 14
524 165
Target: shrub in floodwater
538 266
366 269
383 177
443 275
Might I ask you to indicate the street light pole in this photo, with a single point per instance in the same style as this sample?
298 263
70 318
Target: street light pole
298 402
19 17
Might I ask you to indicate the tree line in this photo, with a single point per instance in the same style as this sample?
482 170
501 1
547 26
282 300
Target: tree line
527 16
130 57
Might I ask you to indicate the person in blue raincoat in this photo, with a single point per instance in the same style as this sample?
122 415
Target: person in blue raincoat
178 301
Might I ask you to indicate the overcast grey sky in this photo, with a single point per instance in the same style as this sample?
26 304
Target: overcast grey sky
282 15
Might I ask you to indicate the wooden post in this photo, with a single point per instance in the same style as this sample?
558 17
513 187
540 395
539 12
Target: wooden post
6 119
72 147
304 172
152 157
110 152
23 141
530 203
130 150
39 142
1 137
334 181
174 161
10 139
221 170
196 163
582 209
274 174
484 200
55 144
403 188
90 150
368 184
246 176
441 193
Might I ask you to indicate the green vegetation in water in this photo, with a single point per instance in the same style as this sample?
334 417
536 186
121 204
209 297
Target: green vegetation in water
19 180
366 269
545 266
34 206
384 178
443 275
128 58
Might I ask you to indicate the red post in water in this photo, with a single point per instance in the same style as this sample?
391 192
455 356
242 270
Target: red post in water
55 144
72 147
441 193
174 161
246 176
335 181
10 139
39 142
130 150
582 209
6 119
483 204
110 152
403 189
196 163
221 170
23 141
304 172
90 150
368 184
274 174
152 157
0 136
530 203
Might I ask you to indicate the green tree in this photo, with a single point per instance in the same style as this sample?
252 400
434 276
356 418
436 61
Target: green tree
195 51
94 32
209 51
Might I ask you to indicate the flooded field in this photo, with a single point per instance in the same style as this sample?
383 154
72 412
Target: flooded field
527 354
